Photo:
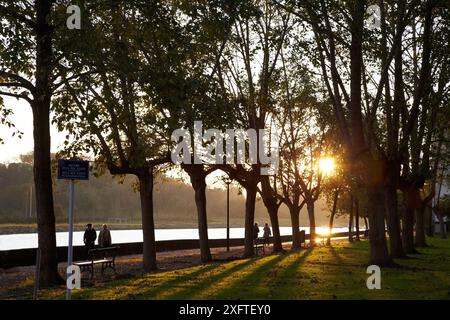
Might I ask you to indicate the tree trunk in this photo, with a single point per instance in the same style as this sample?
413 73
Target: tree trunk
366 226
197 175
249 220
442 226
425 204
420 240
430 225
44 196
408 231
357 219
148 225
295 225
350 221
41 134
270 201
379 254
393 223
408 221
333 213
312 222
277 245
378 247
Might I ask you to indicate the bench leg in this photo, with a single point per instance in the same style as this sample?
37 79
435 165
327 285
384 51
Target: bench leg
107 265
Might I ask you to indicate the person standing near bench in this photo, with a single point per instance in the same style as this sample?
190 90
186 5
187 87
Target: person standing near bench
255 231
90 235
256 241
267 233
104 238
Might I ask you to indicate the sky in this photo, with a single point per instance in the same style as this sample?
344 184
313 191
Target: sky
23 120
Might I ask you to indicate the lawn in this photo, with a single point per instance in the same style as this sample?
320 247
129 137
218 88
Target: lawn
337 272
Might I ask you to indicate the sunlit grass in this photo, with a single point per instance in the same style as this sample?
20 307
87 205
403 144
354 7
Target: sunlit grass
337 272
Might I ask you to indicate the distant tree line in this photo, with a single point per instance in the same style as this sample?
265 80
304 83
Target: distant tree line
107 197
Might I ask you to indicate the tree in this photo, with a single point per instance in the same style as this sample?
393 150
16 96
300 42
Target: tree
304 145
357 99
116 120
247 73
269 194
27 72
420 126
344 197
349 119
198 94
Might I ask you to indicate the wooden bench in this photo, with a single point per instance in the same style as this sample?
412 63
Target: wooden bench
259 245
104 256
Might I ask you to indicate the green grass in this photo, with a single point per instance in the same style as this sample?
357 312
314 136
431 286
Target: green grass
337 272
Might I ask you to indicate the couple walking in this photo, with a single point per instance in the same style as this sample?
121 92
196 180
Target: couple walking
266 234
90 235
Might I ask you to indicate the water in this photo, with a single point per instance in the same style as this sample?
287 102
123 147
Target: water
30 240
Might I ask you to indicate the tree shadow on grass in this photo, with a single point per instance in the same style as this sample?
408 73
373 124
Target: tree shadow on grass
338 261
179 281
21 291
291 269
251 280
336 255
286 282
210 281
159 287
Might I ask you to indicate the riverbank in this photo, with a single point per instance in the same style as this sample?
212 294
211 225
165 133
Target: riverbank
14 228
213 222
13 242
337 272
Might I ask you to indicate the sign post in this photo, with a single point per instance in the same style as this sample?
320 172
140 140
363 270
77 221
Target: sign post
227 182
70 244
72 170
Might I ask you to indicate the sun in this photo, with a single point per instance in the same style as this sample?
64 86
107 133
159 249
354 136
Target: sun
327 166
324 232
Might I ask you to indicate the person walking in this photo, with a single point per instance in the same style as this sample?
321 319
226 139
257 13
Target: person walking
255 231
90 235
104 238
267 233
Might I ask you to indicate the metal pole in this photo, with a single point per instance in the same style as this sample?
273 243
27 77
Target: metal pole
70 246
228 216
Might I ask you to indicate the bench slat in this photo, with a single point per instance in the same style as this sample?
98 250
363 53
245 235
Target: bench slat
102 261
85 263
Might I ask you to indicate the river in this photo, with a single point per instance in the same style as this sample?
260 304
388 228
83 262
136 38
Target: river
30 240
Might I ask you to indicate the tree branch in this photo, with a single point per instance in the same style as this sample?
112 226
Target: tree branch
16 15
18 96
24 83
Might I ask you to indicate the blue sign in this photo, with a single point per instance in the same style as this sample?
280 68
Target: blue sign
73 169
